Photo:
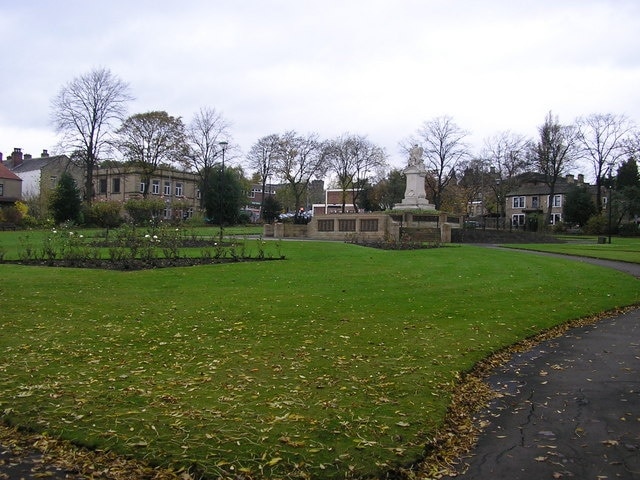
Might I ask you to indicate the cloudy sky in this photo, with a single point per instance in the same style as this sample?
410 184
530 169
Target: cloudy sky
373 67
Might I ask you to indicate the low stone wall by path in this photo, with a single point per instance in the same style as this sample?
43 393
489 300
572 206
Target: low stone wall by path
478 235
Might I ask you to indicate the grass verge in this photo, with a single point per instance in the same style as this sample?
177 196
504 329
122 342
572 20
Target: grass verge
620 249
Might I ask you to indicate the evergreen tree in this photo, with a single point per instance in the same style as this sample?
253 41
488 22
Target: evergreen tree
627 191
271 208
578 206
628 174
65 203
225 196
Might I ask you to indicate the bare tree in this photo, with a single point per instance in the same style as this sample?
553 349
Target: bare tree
262 158
472 184
506 154
204 133
554 154
632 144
444 146
150 139
601 140
298 161
353 158
84 112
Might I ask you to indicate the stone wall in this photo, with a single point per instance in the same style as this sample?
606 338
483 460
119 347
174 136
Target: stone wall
341 227
427 227
492 236
365 227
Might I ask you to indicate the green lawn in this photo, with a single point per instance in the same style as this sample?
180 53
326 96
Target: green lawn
620 248
337 361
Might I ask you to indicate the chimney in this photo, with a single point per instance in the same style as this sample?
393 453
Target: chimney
569 178
16 157
0 157
44 153
27 156
580 179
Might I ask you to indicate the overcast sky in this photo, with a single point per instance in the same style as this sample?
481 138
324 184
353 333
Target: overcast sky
373 67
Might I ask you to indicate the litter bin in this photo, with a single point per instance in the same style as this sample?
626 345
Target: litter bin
602 239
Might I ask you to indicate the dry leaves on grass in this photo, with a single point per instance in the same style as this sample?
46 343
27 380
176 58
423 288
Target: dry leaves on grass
77 463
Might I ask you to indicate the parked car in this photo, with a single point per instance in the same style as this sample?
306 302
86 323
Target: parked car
472 224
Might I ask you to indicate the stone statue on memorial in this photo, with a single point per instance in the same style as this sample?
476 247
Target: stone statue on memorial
415 156
415 196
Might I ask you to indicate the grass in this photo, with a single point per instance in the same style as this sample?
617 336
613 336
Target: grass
338 361
620 248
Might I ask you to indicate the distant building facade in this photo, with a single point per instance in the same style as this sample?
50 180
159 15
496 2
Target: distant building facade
35 178
10 186
333 202
531 198
121 182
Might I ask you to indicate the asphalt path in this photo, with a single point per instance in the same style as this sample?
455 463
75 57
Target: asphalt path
568 408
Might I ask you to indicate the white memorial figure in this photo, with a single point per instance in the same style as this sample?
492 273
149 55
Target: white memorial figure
415 196
415 156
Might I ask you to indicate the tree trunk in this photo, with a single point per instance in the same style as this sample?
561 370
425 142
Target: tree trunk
88 184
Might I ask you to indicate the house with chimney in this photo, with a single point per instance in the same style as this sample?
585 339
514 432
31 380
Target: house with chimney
530 199
10 186
40 174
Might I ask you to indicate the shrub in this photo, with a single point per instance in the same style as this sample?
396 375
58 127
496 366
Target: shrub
196 220
105 214
12 215
145 210
596 225
560 227
630 229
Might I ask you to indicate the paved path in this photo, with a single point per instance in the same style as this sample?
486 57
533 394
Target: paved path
569 408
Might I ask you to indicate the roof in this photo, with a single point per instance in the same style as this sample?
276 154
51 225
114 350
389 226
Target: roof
534 184
8 174
34 164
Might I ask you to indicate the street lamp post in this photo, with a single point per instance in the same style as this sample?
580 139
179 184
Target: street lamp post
223 147
498 203
609 203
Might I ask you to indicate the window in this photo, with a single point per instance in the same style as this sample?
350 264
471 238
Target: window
557 201
54 181
518 202
155 187
369 225
167 188
517 220
1 189
535 202
102 186
347 225
198 194
115 185
325 225
179 188
142 187
556 218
